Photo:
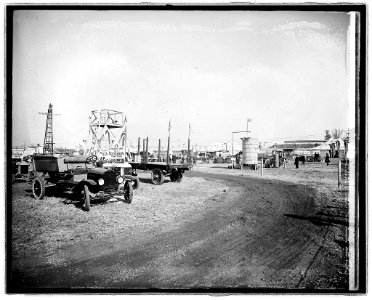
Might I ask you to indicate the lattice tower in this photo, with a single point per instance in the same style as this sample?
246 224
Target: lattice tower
48 138
107 132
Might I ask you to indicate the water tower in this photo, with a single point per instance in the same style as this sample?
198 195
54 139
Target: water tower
249 151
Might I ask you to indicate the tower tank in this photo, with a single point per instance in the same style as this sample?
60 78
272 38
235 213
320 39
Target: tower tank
249 151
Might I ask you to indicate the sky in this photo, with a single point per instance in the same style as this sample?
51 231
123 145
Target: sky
286 71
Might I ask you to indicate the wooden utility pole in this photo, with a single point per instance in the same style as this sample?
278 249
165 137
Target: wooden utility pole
147 149
188 151
143 151
139 149
188 147
169 129
168 149
159 159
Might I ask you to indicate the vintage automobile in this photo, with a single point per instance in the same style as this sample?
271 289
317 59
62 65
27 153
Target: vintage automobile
20 168
78 175
122 168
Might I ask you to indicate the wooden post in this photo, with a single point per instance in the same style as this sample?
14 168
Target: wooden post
124 144
159 152
188 151
232 150
261 167
168 150
139 149
143 150
147 149
339 174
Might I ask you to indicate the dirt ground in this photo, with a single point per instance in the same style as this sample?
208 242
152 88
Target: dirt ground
219 228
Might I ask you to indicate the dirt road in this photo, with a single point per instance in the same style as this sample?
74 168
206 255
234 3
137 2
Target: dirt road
253 233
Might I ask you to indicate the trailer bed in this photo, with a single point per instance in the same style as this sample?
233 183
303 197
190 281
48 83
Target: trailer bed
161 169
159 165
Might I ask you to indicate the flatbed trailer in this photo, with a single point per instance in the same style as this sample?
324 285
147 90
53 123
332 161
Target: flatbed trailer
161 169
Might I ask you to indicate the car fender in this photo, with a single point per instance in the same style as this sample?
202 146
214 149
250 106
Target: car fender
88 181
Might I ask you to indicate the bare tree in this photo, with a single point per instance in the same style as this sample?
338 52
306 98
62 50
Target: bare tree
327 135
337 133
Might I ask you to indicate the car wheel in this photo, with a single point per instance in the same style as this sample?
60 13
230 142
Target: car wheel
157 177
86 198
128 192
38 187
13 179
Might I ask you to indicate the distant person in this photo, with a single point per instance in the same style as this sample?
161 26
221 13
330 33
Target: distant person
296 162
284 162
327 159
267 163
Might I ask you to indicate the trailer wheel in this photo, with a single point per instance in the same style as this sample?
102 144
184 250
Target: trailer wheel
157 177
128 192
176 177
86 197
38 187
136 183
180 176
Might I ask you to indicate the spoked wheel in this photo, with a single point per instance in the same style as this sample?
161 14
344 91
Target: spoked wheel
176 177
86 198
135 183
157 176
128 192
38 187
91 159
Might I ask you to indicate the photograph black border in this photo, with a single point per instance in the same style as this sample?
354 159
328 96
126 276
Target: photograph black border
360 126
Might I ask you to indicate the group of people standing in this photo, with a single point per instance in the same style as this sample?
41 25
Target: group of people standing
302 158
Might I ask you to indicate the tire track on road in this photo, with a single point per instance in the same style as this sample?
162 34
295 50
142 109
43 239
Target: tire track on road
243 238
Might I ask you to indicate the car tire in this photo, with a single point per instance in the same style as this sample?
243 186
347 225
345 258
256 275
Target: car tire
38 187
157 177
86 198
128 192
13 179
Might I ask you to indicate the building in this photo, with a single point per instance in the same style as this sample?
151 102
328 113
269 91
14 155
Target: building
305 142
322 150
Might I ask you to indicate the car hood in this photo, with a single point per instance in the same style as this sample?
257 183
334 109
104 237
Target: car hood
99 171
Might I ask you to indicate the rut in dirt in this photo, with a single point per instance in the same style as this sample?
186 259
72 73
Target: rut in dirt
254 236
